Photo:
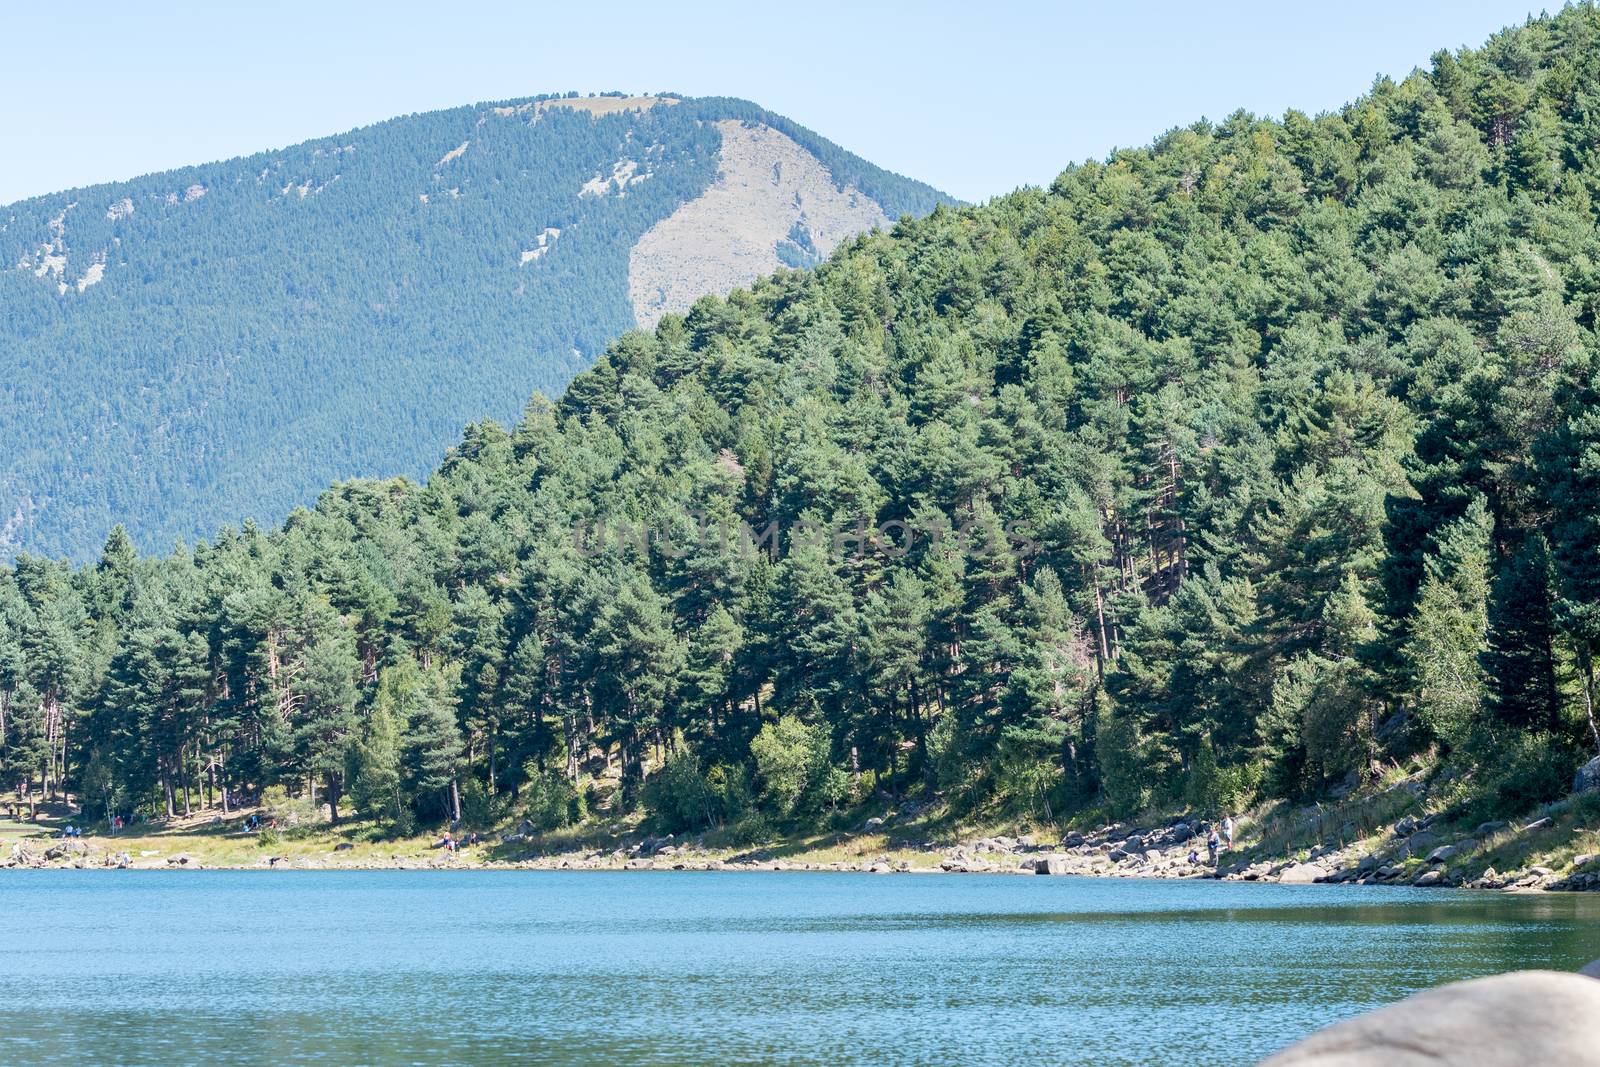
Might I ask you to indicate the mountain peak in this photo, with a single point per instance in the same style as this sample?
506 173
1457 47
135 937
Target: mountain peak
342 307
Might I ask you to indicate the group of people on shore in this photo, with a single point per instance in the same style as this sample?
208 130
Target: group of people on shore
452 844
114 826
1219 836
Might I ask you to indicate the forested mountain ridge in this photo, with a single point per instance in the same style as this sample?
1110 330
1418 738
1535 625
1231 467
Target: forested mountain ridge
214 343
1297 416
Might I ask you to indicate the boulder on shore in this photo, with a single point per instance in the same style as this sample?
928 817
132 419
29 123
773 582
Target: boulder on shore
1302 874
1420 843
1445 853
1052 865
1588 777
1510 1020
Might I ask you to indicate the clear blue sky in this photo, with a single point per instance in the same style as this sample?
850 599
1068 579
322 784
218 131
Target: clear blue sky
976 98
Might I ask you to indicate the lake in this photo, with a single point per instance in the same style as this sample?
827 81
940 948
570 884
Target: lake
475 967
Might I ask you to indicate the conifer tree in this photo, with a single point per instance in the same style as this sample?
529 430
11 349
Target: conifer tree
1449 626
1519 663
372 763
432 751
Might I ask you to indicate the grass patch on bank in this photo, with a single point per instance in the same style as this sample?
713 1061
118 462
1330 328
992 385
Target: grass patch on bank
917 834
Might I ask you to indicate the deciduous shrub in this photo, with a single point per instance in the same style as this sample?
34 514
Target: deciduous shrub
678 797
794 769
552 802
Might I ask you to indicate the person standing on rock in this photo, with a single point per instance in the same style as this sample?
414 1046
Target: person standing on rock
1212 841
1227 830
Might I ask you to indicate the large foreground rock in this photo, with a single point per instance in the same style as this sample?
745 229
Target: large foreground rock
1523 1019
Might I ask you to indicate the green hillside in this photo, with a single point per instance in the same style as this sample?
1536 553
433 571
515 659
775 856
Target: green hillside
215 343
1276 443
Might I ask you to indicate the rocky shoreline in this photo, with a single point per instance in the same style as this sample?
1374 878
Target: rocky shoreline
1417 852
1413 853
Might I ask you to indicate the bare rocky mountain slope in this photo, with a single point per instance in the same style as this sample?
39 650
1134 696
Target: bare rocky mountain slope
213 344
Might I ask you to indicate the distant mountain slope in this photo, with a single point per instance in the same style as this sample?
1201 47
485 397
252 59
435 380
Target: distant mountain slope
196 347
772 205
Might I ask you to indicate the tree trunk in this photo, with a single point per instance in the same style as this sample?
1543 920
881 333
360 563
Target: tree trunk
494 752
1177 521
569 726
1586 654
919 720
1100 616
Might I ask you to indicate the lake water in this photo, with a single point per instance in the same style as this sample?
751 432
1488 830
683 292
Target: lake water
474 967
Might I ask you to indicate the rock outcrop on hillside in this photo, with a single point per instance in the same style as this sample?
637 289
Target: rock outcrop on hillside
770 194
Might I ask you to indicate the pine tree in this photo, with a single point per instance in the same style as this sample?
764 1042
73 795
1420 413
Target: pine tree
1449 626
814 618
895 647
432 752
1050 689
1338 720
1519 663
709 675
327 693
372 762
638 657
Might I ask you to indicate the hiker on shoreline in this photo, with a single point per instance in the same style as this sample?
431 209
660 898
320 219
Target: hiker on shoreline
1227 831
1212 841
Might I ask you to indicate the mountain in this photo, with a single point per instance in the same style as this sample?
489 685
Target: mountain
1260 463
214 343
